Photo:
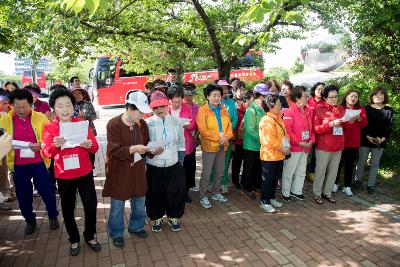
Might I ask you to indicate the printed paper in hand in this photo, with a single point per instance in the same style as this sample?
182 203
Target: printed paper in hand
21 144
350 113
184 121
136 157
75 133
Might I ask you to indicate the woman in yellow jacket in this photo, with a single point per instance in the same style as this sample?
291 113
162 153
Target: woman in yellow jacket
275 146
215 130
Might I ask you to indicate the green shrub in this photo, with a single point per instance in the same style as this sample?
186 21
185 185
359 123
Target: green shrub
297 67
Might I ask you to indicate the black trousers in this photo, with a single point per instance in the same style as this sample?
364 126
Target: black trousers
52 175
313 161
166 191
271 172
67 189
251 176
348 159
189 164
237 159
92 157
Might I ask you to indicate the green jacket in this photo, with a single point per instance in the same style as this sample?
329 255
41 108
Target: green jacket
230 106
252 118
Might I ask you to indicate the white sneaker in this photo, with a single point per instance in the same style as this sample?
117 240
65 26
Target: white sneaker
219 197
194 189
347 191
267 207
224 189
335 188
275 203
205 203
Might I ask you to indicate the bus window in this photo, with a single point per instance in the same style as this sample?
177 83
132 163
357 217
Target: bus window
106 74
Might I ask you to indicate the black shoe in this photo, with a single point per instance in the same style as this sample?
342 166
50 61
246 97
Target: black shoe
188 200
95 247
74 251
286 199
141 234
30 227
54 224
299 197
370 190
118 242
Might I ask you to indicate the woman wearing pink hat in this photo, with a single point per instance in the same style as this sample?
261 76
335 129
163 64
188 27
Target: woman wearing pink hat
166 180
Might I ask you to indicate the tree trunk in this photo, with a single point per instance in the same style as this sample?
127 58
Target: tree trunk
224 70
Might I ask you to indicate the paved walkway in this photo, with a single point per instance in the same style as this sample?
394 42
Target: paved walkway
352 232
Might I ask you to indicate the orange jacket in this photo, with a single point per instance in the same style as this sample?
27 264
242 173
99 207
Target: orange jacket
272 131
208 128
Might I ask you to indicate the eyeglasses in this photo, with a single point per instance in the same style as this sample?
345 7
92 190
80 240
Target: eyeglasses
75 80
333 97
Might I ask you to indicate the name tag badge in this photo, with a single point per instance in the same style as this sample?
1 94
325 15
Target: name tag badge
26 153
71 162
305 135
337 130
285 143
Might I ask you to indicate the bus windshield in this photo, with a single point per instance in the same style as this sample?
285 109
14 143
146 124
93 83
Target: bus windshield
104 72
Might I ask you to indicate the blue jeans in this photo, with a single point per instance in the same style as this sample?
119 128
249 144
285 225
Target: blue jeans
116 218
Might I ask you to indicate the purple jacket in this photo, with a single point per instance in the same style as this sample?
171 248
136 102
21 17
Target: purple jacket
41 106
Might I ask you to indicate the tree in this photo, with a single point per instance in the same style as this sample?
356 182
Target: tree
187 34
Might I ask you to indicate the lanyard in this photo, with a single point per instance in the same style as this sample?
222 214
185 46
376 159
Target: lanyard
283 130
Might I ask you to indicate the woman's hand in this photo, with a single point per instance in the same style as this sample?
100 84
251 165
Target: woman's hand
141 149
86 144
380 140
304 144
59 141
158 151
335 123
223 140
372 140
35 147
285 150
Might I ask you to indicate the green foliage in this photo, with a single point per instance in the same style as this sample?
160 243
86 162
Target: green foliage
188 35
63 71
5 77
279 74
297 67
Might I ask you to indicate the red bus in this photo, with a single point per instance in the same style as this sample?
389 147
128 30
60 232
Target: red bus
27 78
111 82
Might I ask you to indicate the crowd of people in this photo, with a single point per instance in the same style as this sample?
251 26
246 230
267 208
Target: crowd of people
274 134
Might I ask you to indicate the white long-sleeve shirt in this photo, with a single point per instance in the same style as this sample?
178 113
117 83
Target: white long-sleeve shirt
171 131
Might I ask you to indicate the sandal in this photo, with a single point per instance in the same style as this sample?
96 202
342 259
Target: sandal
318 199
330 199
74 251
96 247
